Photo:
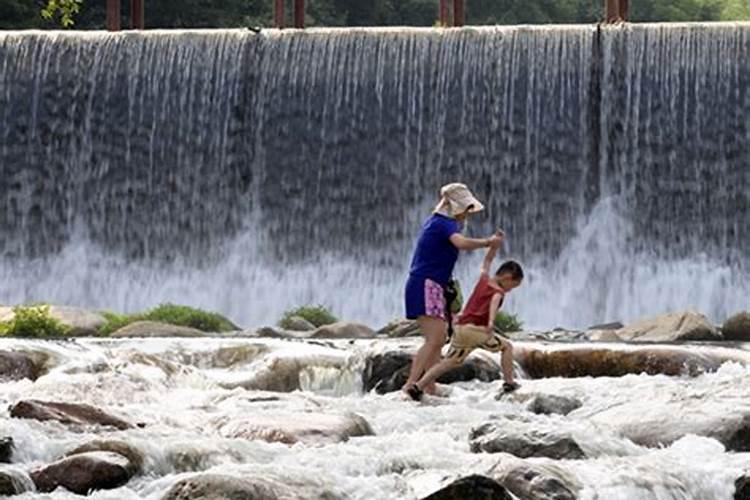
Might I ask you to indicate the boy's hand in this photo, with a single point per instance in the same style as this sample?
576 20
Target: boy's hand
496 240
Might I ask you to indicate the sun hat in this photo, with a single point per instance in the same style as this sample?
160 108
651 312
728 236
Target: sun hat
455 199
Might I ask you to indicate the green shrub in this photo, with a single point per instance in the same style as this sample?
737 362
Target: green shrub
317 315
507 322
172 314
33 321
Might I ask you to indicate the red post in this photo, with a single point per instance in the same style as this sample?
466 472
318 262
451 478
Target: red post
278 14
113 15
299 14
136 15
611 11
458 13
443 13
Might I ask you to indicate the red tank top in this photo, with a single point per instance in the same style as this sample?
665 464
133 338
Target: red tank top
477 310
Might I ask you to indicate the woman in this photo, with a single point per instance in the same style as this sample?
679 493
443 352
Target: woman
432 267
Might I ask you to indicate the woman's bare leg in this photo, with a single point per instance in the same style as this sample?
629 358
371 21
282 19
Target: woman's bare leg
434 331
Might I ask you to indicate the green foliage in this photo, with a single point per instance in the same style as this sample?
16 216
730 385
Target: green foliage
33 321
173 315
317 315
507 322
66 9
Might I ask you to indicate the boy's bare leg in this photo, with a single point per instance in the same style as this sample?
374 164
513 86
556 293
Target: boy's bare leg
429 378
434 331
506 361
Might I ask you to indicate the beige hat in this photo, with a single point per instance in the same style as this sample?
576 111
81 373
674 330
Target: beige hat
457 199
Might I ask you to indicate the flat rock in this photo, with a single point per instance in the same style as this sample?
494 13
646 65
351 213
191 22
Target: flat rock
400 328
549 404
99 470
737 327
343 330
527 480
67 413
673 327
6 450
293 427
156 329
614 325
134 455
524 440
14 481
210 486
16 365
474 487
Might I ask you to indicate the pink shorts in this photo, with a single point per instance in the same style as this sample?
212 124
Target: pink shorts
434 300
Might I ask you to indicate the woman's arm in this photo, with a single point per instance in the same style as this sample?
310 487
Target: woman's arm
463 243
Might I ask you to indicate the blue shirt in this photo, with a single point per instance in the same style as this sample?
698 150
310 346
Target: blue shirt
435 255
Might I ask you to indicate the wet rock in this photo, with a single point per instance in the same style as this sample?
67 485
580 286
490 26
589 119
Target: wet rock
99 470
400 328
524 440
79 321
588 361
673 327
742 488
474 487
343 330
535 481
299 324
387 372
156 329
737 327
548 404
221 486
6 449
134 455
14 481
17 366
615 325
67 413
294 427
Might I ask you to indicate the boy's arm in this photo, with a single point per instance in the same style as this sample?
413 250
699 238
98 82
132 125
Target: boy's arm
491 253
494 306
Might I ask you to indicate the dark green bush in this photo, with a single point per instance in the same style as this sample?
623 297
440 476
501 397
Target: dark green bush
172 314
507 322
33 321
317 315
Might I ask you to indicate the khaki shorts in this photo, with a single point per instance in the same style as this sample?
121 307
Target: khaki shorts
466 338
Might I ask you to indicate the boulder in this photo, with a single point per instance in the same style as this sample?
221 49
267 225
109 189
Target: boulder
16 365
98 470
14 481
400 328
299 324
524 440
549 404
737 327
67 413
593 361
210 486
474 487
79 321
343 330
156 329
387 372
293 427
134 455
6 450
673 327
742 488
527 480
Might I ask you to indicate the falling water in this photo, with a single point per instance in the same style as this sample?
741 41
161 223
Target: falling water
248 172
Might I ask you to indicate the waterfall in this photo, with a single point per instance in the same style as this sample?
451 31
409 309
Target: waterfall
248 173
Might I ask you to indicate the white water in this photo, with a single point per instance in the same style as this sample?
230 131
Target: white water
175 387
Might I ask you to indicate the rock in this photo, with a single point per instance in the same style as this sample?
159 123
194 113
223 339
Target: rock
14 481
134 455
299 324
588 361
387 372
343 330
524 440
294 427
673 327
98 470
548 404
156 329
535 481
67 413
400 328
17 365
615 325
210 486
603 336
79 321
742 488
474 487
280 333
737 327
6 449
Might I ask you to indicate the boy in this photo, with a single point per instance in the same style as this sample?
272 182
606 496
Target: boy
475 326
